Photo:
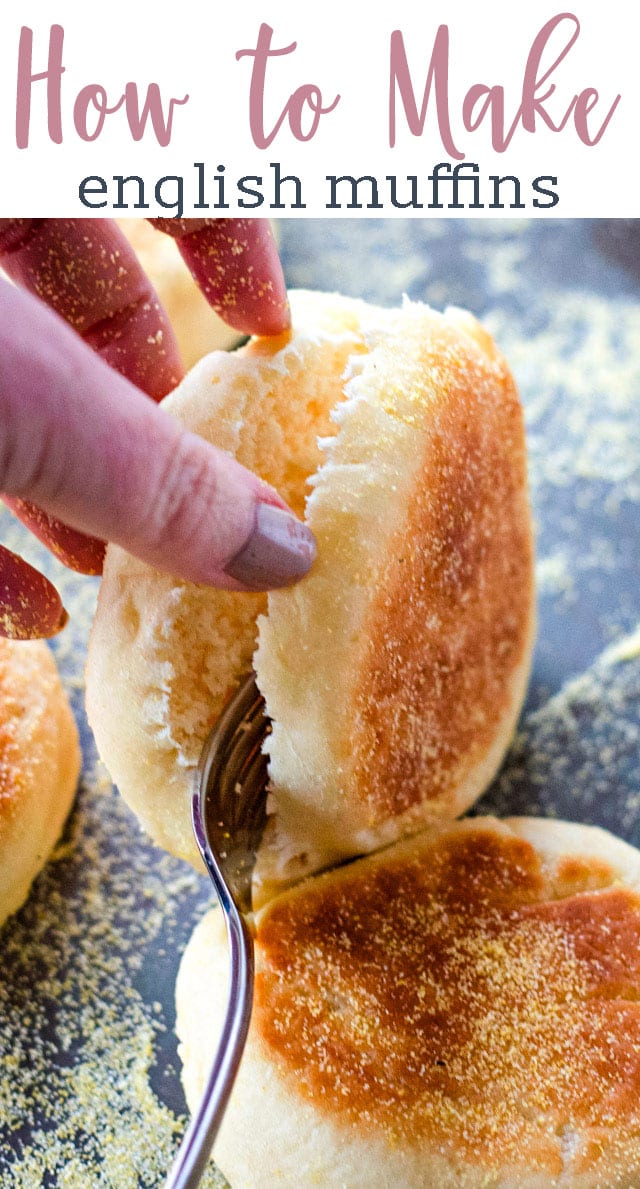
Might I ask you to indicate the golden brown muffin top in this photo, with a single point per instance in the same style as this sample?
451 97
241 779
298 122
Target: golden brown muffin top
463 996
452 618
26 678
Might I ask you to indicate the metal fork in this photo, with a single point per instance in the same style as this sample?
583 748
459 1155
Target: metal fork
228 810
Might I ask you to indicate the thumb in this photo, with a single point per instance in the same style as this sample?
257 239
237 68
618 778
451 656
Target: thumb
91 449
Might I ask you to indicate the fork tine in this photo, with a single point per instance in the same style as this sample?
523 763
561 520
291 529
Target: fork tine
246 700
254 781
247 739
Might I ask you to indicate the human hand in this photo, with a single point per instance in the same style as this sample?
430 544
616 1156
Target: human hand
92 452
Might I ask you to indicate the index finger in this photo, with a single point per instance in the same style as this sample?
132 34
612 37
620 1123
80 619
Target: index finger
236 264
86 270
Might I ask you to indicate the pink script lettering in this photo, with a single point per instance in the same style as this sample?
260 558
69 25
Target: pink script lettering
481 100
306 96
91 105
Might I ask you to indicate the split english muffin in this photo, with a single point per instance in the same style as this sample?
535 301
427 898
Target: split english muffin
39 765
461 1009
394 672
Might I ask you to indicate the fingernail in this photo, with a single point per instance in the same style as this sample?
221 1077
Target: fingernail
279 551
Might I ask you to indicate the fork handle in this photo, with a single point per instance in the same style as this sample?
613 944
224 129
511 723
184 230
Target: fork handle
195 1149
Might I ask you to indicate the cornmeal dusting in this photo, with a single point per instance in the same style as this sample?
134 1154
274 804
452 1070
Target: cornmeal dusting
79 1037
462 1000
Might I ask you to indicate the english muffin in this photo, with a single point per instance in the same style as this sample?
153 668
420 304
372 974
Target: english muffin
395 671
460 1009
39 765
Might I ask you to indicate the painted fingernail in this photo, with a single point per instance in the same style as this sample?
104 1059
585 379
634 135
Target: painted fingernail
279 551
